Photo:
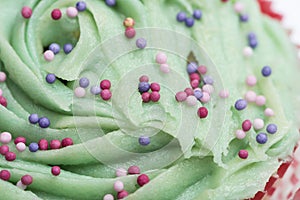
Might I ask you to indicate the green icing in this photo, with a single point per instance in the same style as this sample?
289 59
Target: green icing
187 158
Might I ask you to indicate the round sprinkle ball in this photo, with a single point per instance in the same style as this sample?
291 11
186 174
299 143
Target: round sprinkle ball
4 149
251 80
108 197
141 43
208 80
128 22
191 100
224 94
50 78
118 186
202 112
66 142
3 101
192 67
130 32
20 139
21 185
261 138
180 96
244 17
84 82
146 97
202 69
144 140
189 22
243 154
56 14
43 144
197 14
272 128
33 118
81 6
143 179
4 175
134 170
95 90
55 144
79 92
247 51
110 2
240 134
154 96
2 77
181 16
72 12
240 104
269 112
250 96
144 78
44 122
122 194
27 179
205 98
68 48
238 7
144 87
54 47
55 170
21 146
246 125
26 12
266 71
105 84
10 156
105 94
164 68
5 137
155 87
121 172
258 124
260 100
33 147
49 55
198 94
161 58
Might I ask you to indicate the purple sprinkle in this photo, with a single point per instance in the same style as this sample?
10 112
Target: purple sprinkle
33 118
181 16
261 138
50 78
208 80
141 43
95 90
84 82
192 67
240 104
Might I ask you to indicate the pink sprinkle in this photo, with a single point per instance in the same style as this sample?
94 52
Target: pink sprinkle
260 100
108 197
5 137
195 76
224 94
251 80
21 146
258 124
144 78
2 78
240 134
10 156
205 98
66 142
154 96
238 7
181 96
121 172
72 12
133 170
105 84
4 149
43 144
269 112
189 91
21 185
79 92
55 170
122 194
146 97
55 144
246 125
20 139
27 179
155 87
130 32
202 69
26 12
208 88
247 52
1 92
250 96
48 55
4 175
164 68
194 83
161 58
56 14
191 100
143 179
3 101
243 154
105 94
118 186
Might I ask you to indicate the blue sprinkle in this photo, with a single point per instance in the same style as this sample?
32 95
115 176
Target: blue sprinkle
244 18
251 36
261 138
81 6
144 87
197 14
50 78
266 71
95 90
189 22
68 48
44 122
271 128
141 43
198 94
181 16
192 67
144 140
54 47
110 2
84 82
253 43
208 80
240 104
33 118
33 147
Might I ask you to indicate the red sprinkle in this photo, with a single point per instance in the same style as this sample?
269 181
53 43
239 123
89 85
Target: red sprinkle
4 175
56 14
130 32
105 94
144 78
134 170
195 83
20 139
26 12
55 170
10 156
155 87
143 179
189 91
66 142
3 101
246 125
194 76
55 144
146 97
43 144
243 154
26 179
4 149
202 112
105 84
155 96
122 194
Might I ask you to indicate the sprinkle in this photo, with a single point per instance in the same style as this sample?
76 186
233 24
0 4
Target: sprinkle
251 80
118 186
269 112
4 149
10 156
133 170
253 43
105 94
250 96
72 12
81 6
155 87
189 91
205 98
189 22
33 118
244 17
164 68
238 7
240 134
208 88
1 92
55 144
247 51
79 92
110 2
202 69
55 170
27 179
21 185
44 122
128 22
20 139
33 147
105 84
224 94
146 97
50 78
130 32
4 175
271 128
261 138
3 101
48 55
195 76
198 94
68 48
154 96
191 68
266 71
56 14
246 125
54 47
260 100
108 197
66 142
2 77
143 179
121 172
144 78
141 43
243 154
194 83
144 87
5 137
43 144
21 146
251 36
202 112
208 80
240 104
161 58
181 17
95 90
258 124
191 100
84 82
181 96
197 14
122 194
26 12
144 140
